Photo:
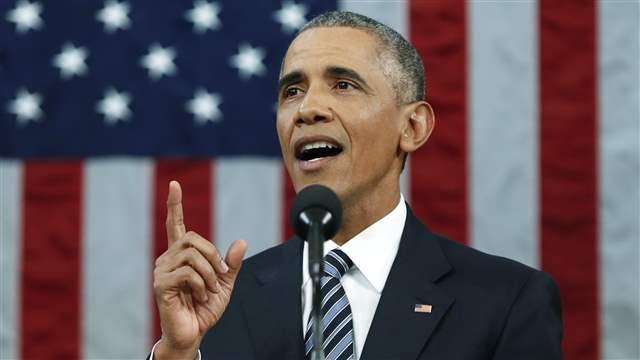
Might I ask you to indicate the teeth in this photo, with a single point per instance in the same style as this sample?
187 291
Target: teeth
317 145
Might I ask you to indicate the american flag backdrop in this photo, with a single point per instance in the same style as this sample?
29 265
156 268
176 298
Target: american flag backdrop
535 156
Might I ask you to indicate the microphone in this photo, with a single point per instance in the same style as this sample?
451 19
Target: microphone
316 215
316 204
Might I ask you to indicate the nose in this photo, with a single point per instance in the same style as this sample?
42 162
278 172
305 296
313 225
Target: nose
314 108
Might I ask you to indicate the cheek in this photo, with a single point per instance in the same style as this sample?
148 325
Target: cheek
376 131
284 131
378 148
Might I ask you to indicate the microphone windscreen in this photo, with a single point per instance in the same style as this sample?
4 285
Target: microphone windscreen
316 199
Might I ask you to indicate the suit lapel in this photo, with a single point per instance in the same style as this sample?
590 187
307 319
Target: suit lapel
274 311
397 330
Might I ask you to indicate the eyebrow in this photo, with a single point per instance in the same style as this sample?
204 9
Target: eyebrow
290 78
343 72
331 70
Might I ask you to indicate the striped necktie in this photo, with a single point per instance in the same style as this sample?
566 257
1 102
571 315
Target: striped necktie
337 323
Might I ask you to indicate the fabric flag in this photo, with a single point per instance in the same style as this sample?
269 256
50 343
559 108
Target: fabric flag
535 156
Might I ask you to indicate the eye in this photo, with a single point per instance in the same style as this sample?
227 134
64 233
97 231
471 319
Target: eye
291 91
345 85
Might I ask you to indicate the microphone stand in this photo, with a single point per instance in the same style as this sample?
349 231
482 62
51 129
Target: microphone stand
316 270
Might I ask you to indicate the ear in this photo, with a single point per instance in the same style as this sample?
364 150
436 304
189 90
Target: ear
418 123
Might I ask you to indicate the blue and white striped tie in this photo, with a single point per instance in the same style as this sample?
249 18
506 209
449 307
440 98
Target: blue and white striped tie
337 320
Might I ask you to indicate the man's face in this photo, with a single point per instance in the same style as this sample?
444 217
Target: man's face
338 121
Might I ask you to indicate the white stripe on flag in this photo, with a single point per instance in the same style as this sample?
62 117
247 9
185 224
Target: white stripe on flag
396 15
247 200
390 13
619 173
10 255
503 129
116 258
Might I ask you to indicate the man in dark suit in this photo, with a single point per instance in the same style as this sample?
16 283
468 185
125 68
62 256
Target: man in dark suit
351 107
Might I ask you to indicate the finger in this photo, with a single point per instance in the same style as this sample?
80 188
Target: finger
187 276
235 254
181 278
209 251
192 257
186 253
175 216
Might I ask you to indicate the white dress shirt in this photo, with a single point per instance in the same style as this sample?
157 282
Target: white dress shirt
372 252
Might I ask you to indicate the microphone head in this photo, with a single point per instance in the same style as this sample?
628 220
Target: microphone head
316 201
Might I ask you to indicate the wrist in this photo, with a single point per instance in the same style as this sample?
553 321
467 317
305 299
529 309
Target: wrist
165 351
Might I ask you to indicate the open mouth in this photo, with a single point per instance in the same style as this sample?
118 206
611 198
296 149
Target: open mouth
309 151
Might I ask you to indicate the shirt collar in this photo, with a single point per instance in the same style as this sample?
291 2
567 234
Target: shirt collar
373 249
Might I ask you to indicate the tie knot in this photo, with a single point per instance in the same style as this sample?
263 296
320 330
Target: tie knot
337 263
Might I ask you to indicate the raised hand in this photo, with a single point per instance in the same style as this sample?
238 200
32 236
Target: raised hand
192 283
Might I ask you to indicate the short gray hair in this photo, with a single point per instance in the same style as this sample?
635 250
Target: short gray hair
401 63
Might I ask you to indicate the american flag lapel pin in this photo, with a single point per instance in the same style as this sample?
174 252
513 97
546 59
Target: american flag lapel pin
423 308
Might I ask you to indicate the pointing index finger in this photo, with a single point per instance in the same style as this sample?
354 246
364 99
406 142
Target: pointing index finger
175 217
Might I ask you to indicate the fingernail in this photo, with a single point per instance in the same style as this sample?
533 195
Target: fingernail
225 267
216 287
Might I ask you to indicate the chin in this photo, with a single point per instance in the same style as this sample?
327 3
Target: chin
308 180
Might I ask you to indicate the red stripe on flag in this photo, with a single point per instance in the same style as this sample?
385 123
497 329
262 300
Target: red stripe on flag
568 162
50 311
196 179
439 170
289 193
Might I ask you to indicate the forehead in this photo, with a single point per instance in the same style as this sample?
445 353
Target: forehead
342 46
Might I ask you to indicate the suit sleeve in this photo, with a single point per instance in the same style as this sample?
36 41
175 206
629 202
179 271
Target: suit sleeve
533 329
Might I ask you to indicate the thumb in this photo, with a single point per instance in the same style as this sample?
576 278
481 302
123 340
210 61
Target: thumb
235 254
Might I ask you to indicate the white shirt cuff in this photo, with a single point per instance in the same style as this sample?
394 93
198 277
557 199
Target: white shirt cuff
153 350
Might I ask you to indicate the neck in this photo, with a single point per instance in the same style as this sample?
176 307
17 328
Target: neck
359 215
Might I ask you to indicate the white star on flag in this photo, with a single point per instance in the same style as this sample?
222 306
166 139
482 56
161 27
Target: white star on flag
114 106
159 61
114 15
71 61
26 16
291 16
26 106
248 61
204 16
204 107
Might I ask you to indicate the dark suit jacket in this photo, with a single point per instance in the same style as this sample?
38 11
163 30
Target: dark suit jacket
484 307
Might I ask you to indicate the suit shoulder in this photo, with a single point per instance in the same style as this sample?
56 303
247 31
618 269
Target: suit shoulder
266 256
269 261
465 258
491 273
501 282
